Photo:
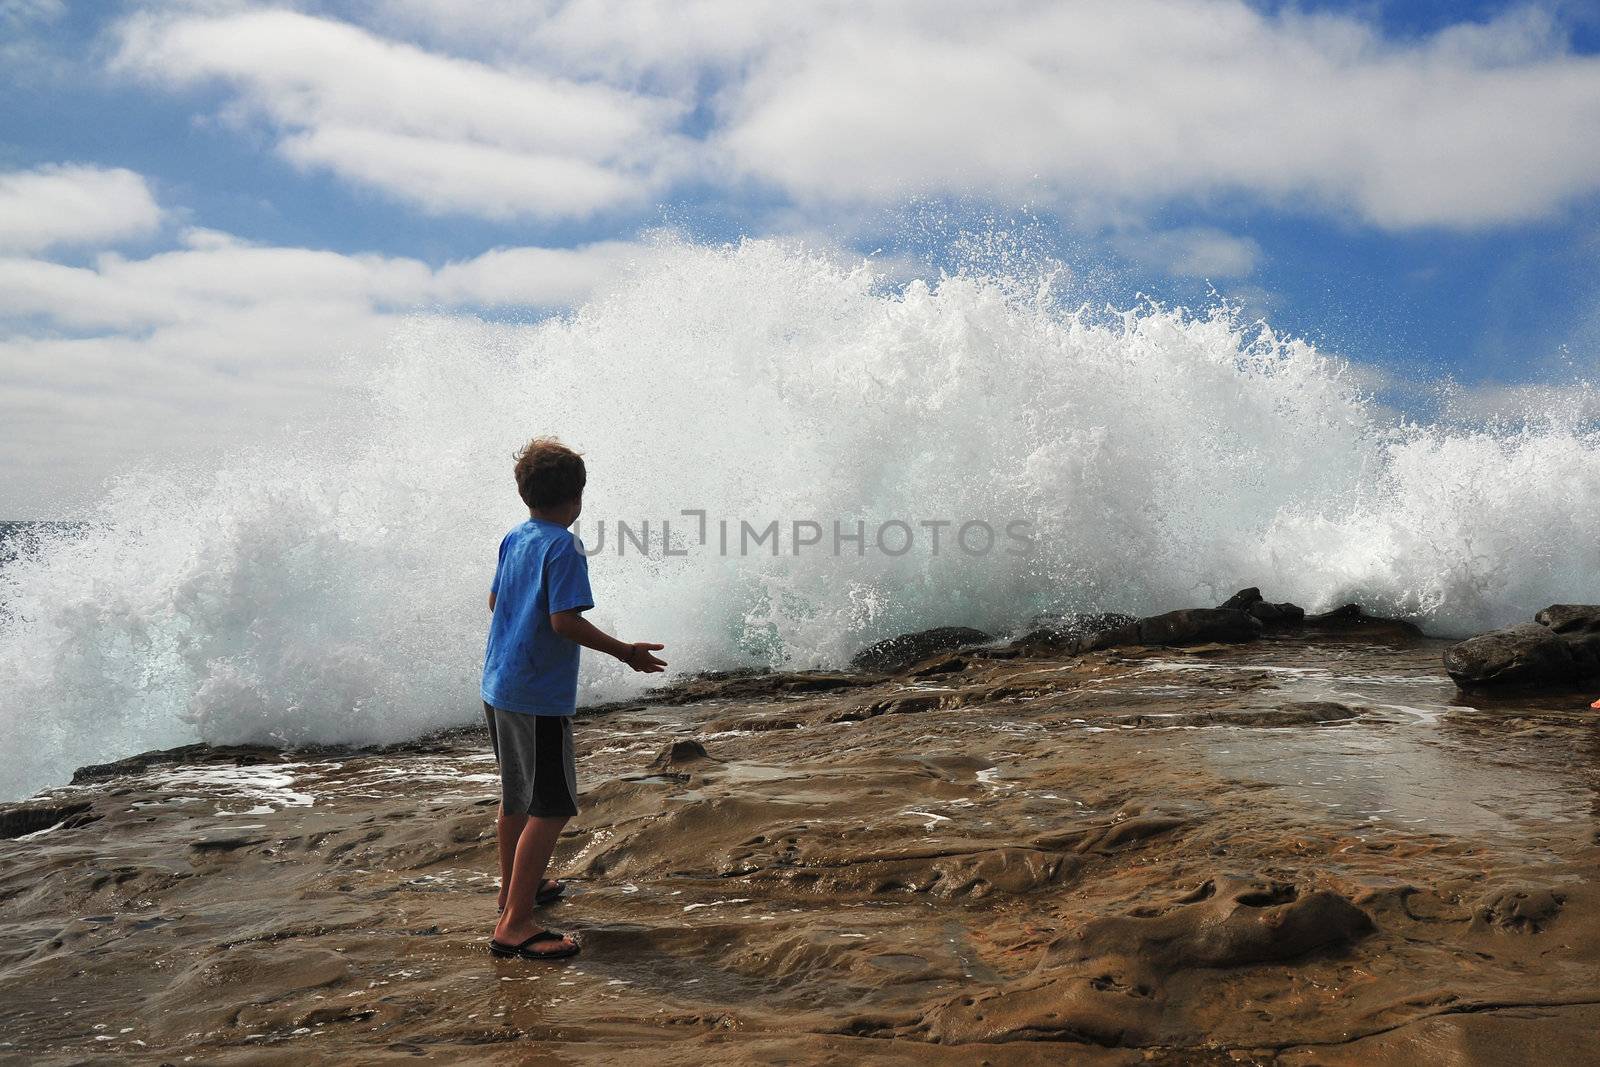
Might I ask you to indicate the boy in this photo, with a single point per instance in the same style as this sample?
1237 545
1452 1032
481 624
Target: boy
530 688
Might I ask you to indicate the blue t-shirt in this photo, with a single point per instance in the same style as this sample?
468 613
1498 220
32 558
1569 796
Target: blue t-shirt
529 667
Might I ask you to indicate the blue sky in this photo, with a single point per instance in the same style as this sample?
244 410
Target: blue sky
1415 186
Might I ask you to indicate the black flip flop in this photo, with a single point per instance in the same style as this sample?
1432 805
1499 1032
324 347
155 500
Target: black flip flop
543 896
505 951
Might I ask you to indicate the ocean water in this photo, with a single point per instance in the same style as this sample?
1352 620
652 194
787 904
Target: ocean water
331 587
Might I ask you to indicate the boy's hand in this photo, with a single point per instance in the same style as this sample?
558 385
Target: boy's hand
639 658
574 627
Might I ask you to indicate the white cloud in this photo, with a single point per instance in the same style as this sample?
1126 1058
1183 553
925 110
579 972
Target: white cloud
1097 107
445 134
619 40
1144 101
505 277
15 13
1197 252
218 343
22 52
462 176
73 205
216 272
1108 103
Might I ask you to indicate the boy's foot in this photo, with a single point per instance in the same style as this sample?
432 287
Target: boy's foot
550 889
544 945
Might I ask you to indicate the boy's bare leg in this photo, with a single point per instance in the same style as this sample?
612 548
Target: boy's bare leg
507 829
534 847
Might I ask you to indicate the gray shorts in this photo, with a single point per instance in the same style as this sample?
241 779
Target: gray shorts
537 775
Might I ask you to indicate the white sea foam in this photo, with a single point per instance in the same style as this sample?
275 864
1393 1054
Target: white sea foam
332 588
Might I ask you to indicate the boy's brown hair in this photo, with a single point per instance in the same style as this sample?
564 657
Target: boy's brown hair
549 473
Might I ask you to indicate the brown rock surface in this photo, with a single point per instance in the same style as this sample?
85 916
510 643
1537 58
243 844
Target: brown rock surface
1306 849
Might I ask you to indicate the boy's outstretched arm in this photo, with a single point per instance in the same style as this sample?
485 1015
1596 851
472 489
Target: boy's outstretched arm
574 627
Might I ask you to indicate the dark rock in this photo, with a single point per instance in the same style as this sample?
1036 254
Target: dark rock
197 755
19 819
942 665
1072 634
1075 634
897 653
1529 654
1573 619
1253 603
1243 599
1560 647
227 842
1198 626
1284 614
1351 617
